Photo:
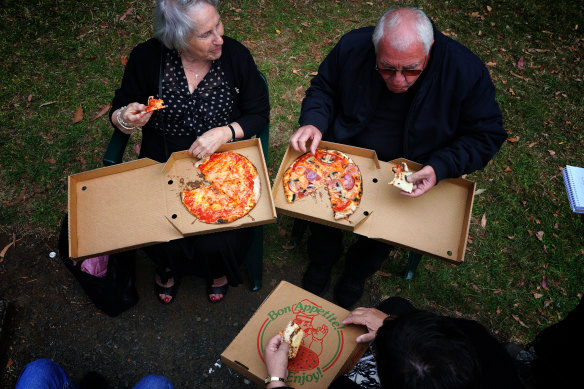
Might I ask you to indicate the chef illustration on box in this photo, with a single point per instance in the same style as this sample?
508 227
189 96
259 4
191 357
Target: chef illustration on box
312 343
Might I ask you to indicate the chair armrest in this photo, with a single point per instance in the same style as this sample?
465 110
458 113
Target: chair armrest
115 148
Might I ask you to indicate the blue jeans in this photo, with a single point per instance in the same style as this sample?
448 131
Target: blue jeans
46 374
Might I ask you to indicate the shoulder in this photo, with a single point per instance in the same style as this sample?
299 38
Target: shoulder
455 55
234 47
150 47
359 39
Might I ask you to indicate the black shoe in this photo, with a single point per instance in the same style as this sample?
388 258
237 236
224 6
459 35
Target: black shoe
167 290
316 280
93 380
348 291
217 290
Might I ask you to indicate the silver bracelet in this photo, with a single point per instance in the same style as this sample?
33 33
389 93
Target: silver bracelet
121 121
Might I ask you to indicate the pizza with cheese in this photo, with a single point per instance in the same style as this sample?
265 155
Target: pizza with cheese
154 104
231 191
401 173
332 169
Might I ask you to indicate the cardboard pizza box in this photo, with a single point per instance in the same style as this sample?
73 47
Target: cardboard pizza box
435 224
137 203
328 350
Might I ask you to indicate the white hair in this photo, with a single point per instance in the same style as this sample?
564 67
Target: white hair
172 24
389 23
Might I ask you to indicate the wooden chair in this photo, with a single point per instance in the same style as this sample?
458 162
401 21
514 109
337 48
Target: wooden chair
254 258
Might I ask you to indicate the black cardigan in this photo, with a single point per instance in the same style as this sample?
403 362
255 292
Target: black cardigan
251 108
454 123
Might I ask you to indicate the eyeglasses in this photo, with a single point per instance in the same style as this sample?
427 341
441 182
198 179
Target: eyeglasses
392 71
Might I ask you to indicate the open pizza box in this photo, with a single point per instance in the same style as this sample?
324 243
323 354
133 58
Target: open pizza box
137 203
328 349
435 224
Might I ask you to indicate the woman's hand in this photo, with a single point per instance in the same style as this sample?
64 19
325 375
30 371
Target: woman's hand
133 116
276 357
210 141
370 317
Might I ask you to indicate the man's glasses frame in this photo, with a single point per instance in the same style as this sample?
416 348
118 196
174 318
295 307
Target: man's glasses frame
392 71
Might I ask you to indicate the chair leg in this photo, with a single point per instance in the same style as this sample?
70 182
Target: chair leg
298 230
413 262
254 259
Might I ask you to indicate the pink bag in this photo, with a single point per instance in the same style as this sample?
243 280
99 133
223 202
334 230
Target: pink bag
96 266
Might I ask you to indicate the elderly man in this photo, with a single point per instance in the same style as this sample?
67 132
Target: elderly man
402 89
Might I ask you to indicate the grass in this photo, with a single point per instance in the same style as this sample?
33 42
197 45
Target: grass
63 55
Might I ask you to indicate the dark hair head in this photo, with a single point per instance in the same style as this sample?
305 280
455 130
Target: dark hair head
421 350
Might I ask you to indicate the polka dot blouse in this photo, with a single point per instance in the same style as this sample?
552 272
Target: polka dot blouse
191 114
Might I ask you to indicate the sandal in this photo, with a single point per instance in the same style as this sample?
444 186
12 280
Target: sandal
216 290
167 290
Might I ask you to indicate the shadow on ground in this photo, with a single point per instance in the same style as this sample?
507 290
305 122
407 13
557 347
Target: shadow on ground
51 317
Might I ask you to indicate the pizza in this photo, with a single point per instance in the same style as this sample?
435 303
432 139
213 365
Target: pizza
154 104
401 172
332 169
231 189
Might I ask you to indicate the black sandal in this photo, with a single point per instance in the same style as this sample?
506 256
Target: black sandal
167 290
217 290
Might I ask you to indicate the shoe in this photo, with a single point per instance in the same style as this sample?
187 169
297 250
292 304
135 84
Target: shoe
167 290
348 291
216 290
316 280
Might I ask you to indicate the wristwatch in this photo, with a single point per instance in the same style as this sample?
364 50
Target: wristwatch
270 379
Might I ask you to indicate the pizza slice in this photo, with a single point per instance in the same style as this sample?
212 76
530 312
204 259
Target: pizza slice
345 189
401 172
154 104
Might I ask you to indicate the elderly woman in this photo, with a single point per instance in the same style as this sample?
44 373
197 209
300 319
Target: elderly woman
214 94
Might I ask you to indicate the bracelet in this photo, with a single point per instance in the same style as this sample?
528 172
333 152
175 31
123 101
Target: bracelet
270 379
232 132
121 121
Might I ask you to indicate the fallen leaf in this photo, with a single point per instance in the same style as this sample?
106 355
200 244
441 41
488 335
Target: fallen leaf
499 310
10 362
383 274
5 249
511 91
513 139
305 24
519 321
29 98
128 11
480 191
484 220
489 9
520 63
47 103
124 60
278 31
537 295
78 115
19 198
288 246
552 153
282 232
102 111
508 169
539 235
532 144
50 160
544 283
511 237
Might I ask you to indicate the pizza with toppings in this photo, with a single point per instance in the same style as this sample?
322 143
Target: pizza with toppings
332 169
400 178
231 191
154 104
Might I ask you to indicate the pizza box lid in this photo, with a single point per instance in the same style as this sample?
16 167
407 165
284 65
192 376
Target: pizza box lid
137 203
435 224
328 349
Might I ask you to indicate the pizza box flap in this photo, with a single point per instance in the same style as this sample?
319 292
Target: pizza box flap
181 174
328 348
125 206
435 224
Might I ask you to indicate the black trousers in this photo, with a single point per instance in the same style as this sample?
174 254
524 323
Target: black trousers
363 258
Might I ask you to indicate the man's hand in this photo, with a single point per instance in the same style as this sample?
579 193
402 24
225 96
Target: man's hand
370 317
276 358
302 135
423 181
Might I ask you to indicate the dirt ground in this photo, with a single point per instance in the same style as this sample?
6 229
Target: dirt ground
51 317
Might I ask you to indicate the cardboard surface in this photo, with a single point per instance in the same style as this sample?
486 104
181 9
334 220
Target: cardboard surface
328 349
435 224
138 203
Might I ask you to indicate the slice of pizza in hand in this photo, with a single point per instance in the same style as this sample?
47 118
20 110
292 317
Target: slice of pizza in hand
401 172
292 335
154 104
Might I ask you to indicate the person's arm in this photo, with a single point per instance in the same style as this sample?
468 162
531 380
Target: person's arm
479 133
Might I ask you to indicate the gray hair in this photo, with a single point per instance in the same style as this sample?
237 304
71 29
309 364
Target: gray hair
172 24
391 20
